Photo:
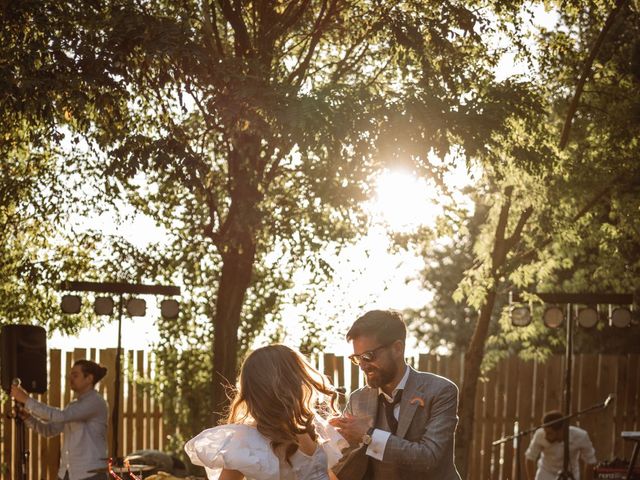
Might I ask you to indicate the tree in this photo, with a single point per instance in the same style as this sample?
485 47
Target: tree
557 217
42 84
256 127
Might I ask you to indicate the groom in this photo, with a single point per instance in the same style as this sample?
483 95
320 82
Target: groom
401 425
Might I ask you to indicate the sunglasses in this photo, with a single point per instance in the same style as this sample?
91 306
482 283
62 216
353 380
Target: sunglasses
368 356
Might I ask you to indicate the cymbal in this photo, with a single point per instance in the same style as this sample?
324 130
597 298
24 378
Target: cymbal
134 469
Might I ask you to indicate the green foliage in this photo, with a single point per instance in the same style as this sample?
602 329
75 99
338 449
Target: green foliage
583 232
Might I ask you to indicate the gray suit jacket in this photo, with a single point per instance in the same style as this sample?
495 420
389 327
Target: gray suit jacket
422 447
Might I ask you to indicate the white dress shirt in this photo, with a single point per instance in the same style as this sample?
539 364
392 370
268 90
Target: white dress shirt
552 454
379 437
84 424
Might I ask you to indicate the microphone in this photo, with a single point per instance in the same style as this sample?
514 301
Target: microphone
16 381
609 399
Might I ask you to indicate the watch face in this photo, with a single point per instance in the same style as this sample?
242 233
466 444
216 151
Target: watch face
366 439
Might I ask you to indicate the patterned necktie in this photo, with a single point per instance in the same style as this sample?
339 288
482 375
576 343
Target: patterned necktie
388 410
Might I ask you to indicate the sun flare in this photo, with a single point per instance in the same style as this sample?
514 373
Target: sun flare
403 201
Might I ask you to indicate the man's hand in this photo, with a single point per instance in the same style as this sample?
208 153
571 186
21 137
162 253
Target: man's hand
22 413
19 393
352 428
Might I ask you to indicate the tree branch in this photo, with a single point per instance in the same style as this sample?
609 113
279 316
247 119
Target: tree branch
243 45
211 28
531 254
323 16
586 71
499 248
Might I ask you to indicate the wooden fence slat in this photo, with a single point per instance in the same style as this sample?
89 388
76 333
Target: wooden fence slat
108 360
632 401
605 418
576 376
66 391
139 401
423 362
539 387
148 419
476 441
589 396
329 366
488 423
7 440
432 363
130 412
157 424
55 380
525 412
554 385
513 365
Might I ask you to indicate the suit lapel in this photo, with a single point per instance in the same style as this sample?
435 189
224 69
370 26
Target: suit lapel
407 408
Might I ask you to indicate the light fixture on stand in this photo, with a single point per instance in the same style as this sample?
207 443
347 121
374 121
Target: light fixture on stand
554 317
105 306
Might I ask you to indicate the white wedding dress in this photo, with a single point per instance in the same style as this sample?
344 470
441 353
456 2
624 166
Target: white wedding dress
243 448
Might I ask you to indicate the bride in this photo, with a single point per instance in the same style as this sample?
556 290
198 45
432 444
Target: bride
273 431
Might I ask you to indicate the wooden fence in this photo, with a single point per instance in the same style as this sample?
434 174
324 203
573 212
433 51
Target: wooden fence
514 390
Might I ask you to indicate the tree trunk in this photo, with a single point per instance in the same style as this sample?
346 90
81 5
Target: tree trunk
237 267
475 353
472 362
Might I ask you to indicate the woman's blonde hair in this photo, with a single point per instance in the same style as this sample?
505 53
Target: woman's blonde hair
278 390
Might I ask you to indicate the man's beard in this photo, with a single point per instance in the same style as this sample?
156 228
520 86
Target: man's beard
380 376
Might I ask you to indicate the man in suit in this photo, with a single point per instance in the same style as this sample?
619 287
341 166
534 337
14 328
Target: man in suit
401 425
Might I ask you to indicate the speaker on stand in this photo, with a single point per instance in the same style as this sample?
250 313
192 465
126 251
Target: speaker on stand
23 361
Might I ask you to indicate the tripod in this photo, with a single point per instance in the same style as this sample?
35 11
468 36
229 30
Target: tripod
21 439
23 452
566 473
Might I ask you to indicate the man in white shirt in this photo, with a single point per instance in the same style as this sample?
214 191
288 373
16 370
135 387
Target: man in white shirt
547 447
401 425
83 422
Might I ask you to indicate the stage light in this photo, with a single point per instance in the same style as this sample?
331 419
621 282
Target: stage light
620 317
553 317
169 309
70 304
103 306
136 307
588 317
520 316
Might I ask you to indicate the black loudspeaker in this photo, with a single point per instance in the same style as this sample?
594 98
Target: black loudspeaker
23 355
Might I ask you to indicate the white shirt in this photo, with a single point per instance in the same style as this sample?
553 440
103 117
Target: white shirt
379 437
552 454
84 424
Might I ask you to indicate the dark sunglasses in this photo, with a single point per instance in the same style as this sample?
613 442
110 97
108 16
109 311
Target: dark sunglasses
368 356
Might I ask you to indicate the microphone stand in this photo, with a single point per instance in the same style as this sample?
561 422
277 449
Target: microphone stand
517 435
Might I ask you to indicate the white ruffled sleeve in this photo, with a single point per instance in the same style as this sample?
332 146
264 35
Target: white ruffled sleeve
234 447
331 441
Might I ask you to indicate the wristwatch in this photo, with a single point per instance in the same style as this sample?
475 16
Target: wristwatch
366 438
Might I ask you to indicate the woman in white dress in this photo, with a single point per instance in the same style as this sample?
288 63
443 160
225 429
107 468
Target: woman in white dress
273 431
